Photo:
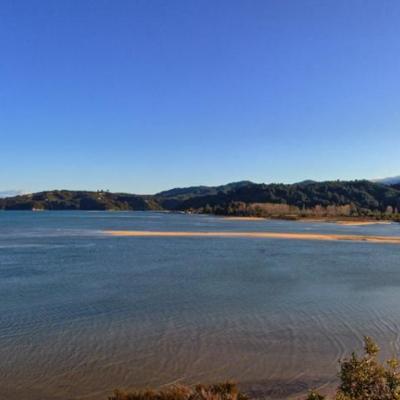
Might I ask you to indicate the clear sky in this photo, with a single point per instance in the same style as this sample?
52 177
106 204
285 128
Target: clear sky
144 95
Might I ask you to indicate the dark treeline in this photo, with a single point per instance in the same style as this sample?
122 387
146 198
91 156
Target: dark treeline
307 199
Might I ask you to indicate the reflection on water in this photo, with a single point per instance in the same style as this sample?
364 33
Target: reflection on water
82 313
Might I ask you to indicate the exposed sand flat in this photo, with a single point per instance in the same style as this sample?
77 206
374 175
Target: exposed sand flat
245 218
344 222
265 235
360 223
316 220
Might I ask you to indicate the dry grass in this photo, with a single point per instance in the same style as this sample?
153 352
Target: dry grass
362 377
221 391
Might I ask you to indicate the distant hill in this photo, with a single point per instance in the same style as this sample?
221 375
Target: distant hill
305 199
306 182
394 180
360 197
174 198
203 190
78 200
10 193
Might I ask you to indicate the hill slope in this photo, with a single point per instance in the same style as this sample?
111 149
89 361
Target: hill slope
348 197
335 198
393 180
79 200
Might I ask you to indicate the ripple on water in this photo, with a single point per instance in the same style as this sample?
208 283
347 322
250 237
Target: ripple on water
81 313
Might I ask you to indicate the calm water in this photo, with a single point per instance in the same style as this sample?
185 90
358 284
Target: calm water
82 313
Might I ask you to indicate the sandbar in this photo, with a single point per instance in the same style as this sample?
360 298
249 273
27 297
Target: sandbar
345 222
360 223
245 219
261 235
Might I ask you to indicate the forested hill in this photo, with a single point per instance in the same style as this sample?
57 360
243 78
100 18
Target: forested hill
79 200
308 198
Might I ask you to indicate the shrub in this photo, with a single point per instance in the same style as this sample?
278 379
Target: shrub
361 378
221 391
365 378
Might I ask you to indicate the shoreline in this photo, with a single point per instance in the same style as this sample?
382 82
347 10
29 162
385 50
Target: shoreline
345 222
354 221
259 235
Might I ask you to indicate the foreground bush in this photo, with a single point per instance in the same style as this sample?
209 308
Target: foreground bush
222 391
361 378
365 378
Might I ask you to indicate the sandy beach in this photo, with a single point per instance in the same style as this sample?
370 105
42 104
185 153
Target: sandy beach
261 235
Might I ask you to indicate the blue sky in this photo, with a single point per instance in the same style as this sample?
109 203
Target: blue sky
145 95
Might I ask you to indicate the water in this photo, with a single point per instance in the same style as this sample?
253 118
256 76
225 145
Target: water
82 312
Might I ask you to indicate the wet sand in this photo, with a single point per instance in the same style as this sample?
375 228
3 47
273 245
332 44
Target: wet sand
261 235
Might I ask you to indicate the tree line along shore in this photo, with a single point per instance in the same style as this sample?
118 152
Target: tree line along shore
333 200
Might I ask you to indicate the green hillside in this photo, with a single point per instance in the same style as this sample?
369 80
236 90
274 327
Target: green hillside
306 199
79 200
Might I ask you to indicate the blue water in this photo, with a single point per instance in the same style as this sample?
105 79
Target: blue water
82 312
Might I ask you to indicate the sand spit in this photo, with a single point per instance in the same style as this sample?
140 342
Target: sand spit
345 222
360 223
262 235
245 219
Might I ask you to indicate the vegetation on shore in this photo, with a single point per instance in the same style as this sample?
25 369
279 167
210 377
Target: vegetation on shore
330 200
221 391
361 378
366 378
